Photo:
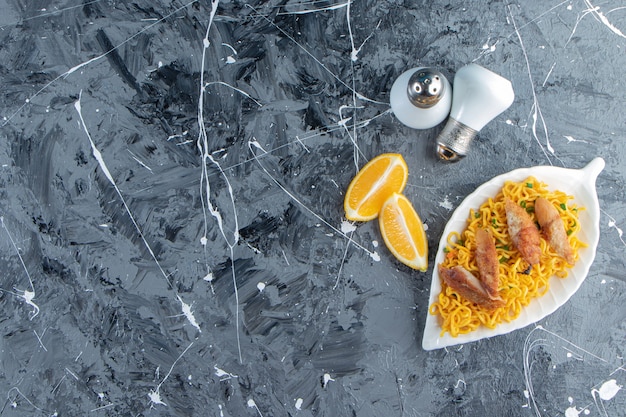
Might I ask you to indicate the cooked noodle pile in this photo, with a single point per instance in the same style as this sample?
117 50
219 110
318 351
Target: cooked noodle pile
519 283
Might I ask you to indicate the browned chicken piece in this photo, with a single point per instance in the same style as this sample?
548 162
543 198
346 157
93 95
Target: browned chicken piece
523 232
469 287
553 229
487 261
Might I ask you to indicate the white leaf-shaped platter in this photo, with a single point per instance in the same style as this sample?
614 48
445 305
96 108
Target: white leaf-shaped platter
579 183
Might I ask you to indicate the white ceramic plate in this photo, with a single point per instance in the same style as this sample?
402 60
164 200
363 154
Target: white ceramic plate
579 183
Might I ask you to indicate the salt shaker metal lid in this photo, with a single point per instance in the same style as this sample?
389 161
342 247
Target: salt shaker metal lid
421 97
426 88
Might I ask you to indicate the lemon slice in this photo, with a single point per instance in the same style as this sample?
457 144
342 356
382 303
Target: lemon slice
403 232
373 184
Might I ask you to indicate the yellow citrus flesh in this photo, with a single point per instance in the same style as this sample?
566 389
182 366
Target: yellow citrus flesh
403 232
373 184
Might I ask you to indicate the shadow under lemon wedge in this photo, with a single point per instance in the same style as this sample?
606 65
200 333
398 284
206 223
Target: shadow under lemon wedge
376 191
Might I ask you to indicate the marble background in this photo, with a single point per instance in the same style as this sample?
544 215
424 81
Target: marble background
172 236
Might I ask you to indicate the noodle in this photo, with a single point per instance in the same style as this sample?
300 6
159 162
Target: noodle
519 283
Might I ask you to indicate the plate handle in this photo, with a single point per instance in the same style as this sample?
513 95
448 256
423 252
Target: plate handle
593 169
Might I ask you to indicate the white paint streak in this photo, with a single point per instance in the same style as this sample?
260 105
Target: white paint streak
572 139
230 47
311 55
605 21
139 161
75 68
39 339
254 144
155 395
347 227
223 375
344 121
252 404
14 403
321 9
233 88
446 204
608 390
613 224
536 113
205 184
26 295
548 75
188 313
99 158
72 374
155 398
102 407
355 51
302 143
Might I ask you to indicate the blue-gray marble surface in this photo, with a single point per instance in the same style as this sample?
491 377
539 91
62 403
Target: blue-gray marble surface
172 236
